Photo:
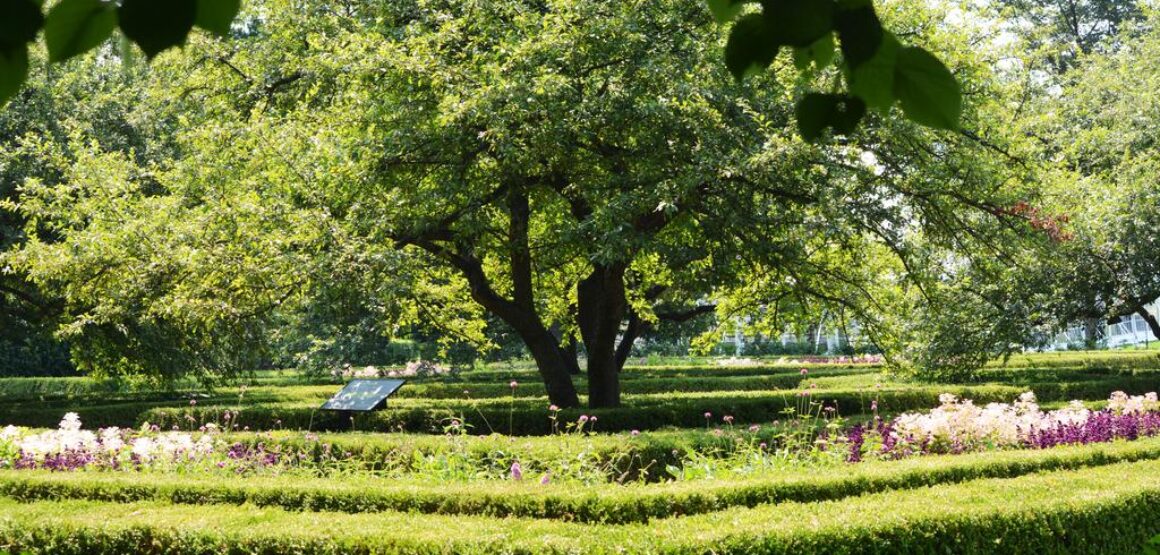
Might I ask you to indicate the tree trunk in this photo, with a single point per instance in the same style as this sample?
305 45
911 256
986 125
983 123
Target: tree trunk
600 310
1090 333
554 369
636 328
1151 320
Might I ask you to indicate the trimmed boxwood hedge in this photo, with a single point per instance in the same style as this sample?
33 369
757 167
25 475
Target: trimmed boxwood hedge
602 504
1111 509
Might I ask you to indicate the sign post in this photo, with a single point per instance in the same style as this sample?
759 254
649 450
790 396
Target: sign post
362 395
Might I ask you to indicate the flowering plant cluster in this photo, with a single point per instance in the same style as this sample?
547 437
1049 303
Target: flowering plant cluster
69 447
959 425
856 359
413 369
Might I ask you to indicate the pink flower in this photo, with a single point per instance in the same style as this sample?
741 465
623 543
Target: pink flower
634 433
553 408
804 371
708 415
193 402
874 405
514 384
545 479
583 418
517 471
754 429
593 418
727 418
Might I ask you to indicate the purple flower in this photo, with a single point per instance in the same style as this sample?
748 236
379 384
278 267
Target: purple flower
517 471
545 479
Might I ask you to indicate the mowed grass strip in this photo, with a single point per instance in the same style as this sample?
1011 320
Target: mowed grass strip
596 504
1109 509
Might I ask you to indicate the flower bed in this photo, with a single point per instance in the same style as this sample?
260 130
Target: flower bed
810 433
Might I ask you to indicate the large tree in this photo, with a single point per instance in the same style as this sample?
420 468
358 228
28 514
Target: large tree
575 168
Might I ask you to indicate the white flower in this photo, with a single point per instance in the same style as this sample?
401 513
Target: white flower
111 440
71 422
9 433
143 448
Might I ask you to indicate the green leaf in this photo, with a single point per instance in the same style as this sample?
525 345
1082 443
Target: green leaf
76 26
860 32
927 90
820 53
13 71
216 16
817 112
873 81
20 22
155 26
798 22
750 48
725 10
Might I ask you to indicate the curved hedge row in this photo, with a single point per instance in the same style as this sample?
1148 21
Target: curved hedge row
1111 509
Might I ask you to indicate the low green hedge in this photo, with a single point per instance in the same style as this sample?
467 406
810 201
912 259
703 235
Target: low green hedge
1111 509
297 407
646 412
602 504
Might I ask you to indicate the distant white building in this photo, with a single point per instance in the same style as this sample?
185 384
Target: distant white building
1128 330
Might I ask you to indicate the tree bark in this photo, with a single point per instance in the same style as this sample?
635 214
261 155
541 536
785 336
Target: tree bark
636 328
1150 319
1090 332
600 310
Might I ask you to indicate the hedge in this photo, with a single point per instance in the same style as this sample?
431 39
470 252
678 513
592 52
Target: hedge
597 504
1111 509
647 412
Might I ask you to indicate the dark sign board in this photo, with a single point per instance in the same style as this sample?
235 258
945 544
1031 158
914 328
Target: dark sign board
363 395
